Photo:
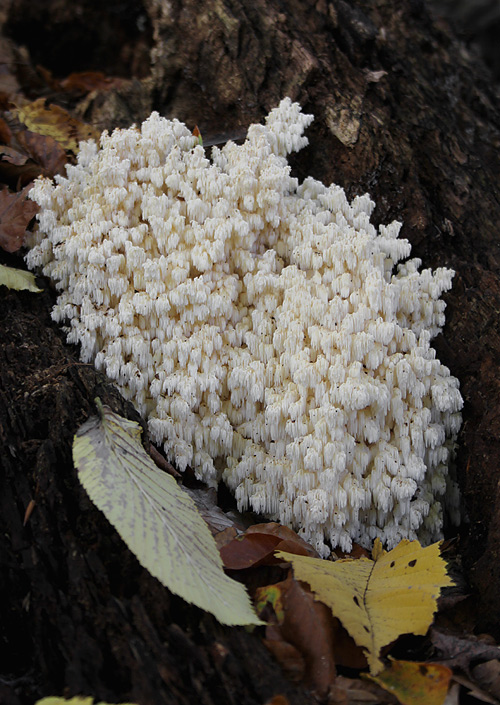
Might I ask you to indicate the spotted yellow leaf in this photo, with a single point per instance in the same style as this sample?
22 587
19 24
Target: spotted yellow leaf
155 517
415 683
381 598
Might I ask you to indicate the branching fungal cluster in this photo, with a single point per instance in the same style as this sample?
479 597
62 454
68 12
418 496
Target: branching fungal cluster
264 327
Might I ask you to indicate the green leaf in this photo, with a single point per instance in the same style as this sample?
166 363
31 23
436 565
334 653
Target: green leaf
17 279
157 520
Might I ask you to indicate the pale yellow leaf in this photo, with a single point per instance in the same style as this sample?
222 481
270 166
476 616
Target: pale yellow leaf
378 600
77 700
17 279
157 520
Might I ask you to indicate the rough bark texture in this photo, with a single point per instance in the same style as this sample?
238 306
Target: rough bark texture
403 112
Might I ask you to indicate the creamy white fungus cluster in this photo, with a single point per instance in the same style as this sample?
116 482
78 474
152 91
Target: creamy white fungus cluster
262 326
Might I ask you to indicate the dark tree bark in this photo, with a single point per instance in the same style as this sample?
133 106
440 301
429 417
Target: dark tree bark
403 112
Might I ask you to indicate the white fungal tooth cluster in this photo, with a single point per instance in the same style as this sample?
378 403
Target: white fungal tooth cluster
265 328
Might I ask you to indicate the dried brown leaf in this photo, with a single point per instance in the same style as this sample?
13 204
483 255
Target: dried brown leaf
5 132
222 538
45 151
16 211
307 629
257 546
352 691
474 690
88 81
487 676
206 502
13 156
460 652
249 550
286 534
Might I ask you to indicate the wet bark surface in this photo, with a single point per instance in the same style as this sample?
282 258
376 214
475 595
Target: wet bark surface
403 112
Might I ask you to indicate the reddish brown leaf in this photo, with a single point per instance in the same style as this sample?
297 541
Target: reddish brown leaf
45 151
87 81
5 132
309 628
16 211
249 550
356 551
258 544
289 658
222 538
13 156
278 700
302 548
18 176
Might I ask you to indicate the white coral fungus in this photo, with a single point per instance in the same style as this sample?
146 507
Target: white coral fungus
261 325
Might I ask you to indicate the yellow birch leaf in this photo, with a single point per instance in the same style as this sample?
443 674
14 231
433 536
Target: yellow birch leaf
378 600
155 517
415 683
55 122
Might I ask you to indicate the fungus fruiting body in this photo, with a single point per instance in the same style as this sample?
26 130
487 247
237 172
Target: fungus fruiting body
269 333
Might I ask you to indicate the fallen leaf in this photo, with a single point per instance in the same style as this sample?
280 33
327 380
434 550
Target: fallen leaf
353 691
18 279
16 211
249 550
13 156
88 81
285 534
225 536
453 695
378 600
415 683
258 544
45 151
459 652
474 690
77 700
302 635
157 520
487 676
55 122
205 499
5 132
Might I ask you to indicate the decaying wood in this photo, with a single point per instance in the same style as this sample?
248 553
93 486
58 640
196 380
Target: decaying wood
403 112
